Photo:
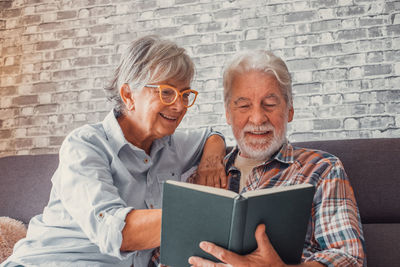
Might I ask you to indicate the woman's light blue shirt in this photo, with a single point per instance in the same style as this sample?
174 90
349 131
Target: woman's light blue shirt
100 178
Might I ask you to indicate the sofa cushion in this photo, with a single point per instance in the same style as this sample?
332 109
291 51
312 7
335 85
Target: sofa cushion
373 172
382 244
28 180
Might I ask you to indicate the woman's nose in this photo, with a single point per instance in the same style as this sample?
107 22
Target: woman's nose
178 104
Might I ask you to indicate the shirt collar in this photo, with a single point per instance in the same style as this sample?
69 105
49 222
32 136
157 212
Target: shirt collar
114 132
284 155
117 139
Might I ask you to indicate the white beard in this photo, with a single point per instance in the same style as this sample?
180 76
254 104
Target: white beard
260 149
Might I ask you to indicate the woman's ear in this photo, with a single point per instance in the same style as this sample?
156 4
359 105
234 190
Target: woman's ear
127 96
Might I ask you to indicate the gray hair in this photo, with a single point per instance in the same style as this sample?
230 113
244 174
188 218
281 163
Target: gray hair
149 59
258 60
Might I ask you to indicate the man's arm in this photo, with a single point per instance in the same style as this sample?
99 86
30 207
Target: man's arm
264 255
142 230
211 170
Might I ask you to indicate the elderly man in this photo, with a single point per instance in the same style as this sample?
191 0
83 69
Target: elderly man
258 103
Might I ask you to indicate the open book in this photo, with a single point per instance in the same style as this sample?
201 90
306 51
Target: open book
194 213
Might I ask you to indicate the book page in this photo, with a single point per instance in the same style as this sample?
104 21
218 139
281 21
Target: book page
207 189
273 190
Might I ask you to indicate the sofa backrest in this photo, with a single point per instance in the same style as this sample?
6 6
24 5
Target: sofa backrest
25 185
371 165
374 172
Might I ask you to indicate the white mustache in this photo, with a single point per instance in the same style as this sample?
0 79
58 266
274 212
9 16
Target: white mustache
257 128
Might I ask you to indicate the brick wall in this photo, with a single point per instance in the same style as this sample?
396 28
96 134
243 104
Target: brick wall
55 57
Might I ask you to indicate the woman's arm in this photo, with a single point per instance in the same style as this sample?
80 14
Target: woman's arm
211 170
142 230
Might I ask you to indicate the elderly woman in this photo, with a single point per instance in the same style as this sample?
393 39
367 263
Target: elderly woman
104 207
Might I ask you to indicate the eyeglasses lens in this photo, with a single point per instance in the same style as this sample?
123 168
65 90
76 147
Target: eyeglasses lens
188 98
169 96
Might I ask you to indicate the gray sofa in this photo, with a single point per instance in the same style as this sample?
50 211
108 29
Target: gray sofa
371 164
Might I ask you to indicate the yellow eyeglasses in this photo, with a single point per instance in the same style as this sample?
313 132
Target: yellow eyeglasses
169 94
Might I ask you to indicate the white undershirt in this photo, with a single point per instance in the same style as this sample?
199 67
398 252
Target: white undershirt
245 165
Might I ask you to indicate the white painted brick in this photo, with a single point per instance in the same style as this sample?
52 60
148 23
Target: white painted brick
188 29
67 43
351 124
45 76
301 5
301 52
302 77
83 13
40 141
396 19
206 108
165 3
82 32
376 8
146 15
45 98
79 117
351 97
397 68
27 111
9 61
326 37
326 13
205 18
20 133
5 101
49 17
316 100
349 23
12 23
251 35
29 10
356 73
345 2
277 43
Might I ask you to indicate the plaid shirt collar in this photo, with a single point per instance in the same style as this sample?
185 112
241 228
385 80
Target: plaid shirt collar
283 155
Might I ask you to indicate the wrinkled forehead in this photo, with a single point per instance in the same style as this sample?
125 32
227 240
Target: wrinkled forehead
255 85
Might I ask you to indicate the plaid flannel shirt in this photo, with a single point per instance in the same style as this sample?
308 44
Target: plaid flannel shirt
334 236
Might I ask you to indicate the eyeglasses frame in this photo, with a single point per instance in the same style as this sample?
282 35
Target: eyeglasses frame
178 93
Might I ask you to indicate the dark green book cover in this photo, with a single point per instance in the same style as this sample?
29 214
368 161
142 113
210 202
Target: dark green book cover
195 213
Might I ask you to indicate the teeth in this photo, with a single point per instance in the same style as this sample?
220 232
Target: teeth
258 133
168 117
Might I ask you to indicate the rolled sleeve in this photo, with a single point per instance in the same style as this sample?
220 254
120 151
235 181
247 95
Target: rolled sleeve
110 232
86 189
190 143
337 233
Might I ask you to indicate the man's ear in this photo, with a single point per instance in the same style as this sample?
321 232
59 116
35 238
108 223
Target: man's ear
228 115
127 96
291 114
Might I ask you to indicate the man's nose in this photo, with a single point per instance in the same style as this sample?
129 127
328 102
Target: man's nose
258 116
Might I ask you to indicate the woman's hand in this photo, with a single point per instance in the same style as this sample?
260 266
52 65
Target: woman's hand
211 170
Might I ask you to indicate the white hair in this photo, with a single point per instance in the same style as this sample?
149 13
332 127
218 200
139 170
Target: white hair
258 60
149 59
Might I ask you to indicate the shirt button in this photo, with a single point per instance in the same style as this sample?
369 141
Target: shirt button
146 160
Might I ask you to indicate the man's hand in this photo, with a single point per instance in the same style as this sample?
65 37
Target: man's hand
211 170
265 255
